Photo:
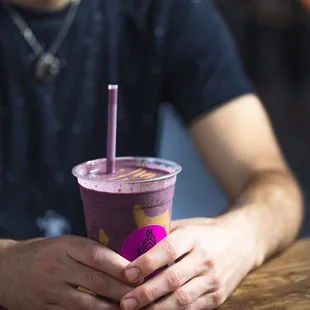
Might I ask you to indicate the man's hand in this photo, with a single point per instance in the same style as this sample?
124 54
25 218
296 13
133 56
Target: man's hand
45 274
213 256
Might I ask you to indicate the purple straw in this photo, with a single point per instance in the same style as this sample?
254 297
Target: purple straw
112 126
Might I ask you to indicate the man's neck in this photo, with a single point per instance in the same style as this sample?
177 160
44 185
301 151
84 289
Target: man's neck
42 4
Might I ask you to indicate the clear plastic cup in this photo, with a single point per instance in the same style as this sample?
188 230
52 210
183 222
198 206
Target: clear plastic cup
129 211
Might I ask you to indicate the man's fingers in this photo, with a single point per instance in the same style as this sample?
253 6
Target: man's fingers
168 281
72 299
96 281
164 253
186 295
96 256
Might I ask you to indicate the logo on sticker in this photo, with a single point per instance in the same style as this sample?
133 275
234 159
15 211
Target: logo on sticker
142 240
148 243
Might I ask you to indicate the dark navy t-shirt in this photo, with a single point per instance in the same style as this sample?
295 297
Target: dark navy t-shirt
177 51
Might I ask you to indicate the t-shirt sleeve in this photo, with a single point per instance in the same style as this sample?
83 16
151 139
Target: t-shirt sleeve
202 67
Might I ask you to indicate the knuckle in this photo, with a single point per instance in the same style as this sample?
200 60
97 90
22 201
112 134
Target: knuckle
170 250
82 273
218 298
93 280
98 282
210 262
85 243
95 256
216 282
83 303
196 269
182 298
148 262
174 280
147 294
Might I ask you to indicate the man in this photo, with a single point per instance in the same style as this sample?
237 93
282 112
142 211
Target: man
57 58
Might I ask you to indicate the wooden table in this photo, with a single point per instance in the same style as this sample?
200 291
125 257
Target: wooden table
281 284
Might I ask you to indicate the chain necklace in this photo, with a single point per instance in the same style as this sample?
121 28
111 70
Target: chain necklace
47 65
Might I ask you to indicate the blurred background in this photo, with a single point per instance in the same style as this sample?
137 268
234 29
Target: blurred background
273 37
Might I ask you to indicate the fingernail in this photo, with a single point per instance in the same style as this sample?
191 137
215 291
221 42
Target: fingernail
133 274
130 303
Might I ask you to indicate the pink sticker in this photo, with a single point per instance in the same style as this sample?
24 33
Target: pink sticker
142 240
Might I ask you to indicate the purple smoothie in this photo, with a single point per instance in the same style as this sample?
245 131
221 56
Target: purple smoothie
128 211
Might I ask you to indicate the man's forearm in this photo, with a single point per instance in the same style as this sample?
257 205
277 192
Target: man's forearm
271 207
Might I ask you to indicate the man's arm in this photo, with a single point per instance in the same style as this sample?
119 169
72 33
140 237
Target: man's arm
238 144
207 86
205 83
215 254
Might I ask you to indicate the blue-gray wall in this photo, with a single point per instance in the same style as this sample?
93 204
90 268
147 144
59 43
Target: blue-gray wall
197 194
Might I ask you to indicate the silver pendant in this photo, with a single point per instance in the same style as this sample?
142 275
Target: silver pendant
47 67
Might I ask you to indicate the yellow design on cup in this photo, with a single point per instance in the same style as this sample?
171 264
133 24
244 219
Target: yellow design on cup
143 220
103 237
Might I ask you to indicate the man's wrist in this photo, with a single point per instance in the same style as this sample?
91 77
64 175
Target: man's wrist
243 224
